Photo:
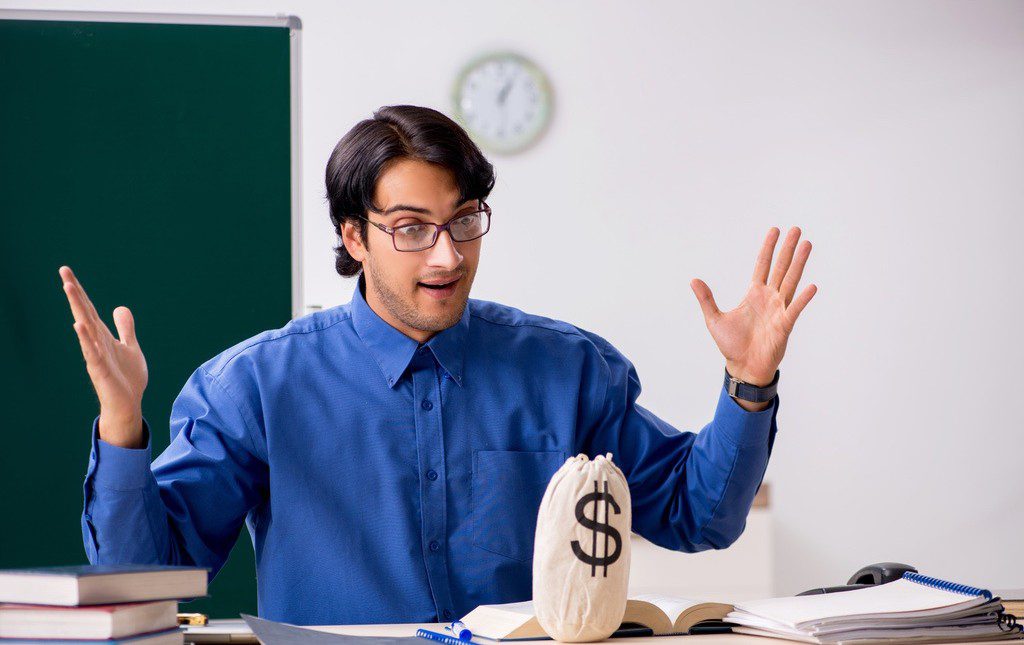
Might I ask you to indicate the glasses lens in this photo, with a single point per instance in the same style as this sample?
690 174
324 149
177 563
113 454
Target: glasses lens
414 237
470 226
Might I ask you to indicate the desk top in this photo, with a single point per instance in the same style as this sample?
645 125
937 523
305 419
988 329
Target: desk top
409 629
240 633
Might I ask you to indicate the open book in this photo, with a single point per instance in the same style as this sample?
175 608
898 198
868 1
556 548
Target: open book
661 614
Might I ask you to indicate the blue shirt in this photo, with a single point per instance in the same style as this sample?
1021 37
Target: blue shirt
386 481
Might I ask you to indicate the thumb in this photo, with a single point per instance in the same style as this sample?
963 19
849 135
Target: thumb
125 323
706 300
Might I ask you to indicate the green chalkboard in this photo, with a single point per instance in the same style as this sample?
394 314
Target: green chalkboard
154 159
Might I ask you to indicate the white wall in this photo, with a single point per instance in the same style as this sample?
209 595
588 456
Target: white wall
891 132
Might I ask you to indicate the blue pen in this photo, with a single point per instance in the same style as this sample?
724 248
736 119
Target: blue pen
460 630
441 638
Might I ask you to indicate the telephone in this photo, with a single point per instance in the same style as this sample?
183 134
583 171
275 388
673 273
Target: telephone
873 574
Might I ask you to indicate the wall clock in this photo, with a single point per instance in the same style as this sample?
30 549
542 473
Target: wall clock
504 101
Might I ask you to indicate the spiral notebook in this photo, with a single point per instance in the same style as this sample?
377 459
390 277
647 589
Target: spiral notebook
914 609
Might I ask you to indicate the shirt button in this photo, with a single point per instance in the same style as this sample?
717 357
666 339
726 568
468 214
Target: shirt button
432 475
427 405
448 614
434 545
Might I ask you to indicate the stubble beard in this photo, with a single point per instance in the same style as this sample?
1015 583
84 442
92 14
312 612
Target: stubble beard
405 310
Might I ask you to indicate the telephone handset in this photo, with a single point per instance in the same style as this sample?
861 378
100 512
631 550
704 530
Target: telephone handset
873 574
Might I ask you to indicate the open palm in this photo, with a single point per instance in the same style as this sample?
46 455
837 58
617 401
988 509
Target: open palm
116 366
753 336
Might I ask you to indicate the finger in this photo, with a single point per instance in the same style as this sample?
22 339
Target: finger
125 323
89 351
764 258
78 309
95 359
795 272
799 303
70 278
706 299
82 307
785 257
93 326
86 330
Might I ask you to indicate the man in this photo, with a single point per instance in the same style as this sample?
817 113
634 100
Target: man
389 455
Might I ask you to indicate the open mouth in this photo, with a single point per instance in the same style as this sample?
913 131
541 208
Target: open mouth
439 287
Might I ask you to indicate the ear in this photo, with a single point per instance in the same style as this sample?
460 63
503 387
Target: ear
353 241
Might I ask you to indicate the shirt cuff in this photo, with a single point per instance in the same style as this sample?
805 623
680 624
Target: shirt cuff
120 468
742 427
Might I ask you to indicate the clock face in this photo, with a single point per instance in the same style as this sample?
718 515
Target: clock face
504 101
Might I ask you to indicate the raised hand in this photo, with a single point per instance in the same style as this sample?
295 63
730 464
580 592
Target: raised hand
116 366
753 336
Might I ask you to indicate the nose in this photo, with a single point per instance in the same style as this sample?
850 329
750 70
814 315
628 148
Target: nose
444 254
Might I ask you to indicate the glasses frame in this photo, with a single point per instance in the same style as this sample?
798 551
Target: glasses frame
390 230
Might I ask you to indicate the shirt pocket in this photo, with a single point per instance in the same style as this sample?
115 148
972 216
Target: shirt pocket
507 489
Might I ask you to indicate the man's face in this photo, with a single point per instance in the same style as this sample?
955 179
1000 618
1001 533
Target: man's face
394 278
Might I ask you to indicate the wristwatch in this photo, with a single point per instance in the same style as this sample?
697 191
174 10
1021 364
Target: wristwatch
742 390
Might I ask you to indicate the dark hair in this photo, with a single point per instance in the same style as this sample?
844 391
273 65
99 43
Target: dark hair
397 131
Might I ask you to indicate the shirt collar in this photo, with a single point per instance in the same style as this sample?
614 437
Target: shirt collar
393 350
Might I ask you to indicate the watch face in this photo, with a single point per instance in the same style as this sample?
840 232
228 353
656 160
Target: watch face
504 101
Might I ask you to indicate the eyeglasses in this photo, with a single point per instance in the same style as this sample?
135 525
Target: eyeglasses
423 235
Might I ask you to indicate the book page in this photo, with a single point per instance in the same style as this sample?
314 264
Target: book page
525 607
673 607
497 622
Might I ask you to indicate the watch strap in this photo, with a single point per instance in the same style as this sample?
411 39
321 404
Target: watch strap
742 390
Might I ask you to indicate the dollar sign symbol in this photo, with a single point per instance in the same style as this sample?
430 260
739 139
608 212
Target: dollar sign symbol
595 526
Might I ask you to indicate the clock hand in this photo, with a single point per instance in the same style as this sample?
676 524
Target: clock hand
503 94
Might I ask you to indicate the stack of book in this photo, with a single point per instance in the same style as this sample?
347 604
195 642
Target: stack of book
913 609
98 605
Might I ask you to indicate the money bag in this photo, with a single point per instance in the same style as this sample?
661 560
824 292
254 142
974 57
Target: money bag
581 551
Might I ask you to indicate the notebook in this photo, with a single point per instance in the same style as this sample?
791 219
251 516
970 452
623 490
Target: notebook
915 608
660 614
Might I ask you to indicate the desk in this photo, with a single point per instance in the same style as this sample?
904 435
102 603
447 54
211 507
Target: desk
409 629
238 628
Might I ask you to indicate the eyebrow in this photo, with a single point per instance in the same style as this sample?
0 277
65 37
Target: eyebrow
418 209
